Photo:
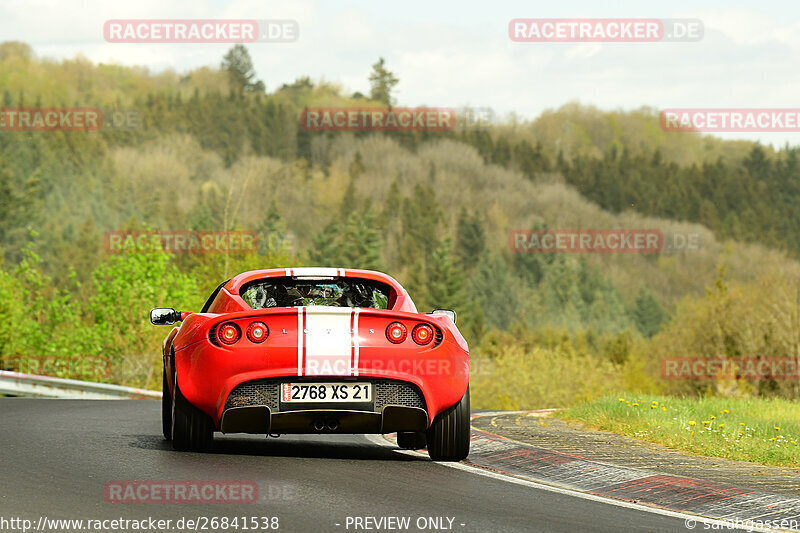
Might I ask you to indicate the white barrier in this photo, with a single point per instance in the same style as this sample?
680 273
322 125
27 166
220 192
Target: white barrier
30 385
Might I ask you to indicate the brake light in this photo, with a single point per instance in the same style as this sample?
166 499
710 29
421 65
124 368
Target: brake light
396 332
229 333
422 334
257 332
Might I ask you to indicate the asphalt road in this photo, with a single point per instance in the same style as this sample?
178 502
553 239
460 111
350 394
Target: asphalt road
56 456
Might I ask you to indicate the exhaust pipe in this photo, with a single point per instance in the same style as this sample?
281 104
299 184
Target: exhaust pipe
333 424
319 424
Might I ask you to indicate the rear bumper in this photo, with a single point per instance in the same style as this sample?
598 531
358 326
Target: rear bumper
209 376
255 407
261 419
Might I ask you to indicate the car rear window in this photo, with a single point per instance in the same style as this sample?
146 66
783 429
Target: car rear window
330 292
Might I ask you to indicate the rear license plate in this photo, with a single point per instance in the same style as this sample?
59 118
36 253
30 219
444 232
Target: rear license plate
326 392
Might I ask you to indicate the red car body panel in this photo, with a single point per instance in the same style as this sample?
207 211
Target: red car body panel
315 343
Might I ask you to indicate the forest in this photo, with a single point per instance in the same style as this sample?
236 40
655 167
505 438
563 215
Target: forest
217 149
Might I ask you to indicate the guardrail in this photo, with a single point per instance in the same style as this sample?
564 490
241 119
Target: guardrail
31 385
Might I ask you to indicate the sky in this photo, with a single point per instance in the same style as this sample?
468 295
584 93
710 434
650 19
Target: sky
453 54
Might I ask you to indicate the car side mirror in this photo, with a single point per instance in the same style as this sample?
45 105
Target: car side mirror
446 312
164 316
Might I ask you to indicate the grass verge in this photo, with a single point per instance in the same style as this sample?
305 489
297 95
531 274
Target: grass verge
759 430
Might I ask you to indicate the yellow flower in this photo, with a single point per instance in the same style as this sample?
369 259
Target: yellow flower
622 399
663 407
725 412
635 404
706 422
713 417
721 426
777 428
691 422
741 423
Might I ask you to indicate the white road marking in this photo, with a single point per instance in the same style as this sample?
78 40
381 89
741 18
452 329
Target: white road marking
721 524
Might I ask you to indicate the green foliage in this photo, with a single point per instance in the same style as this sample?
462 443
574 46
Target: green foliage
539 378
760 430
126 287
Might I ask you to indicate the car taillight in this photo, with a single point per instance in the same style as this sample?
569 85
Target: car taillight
257 332
229 333
422 334
396 332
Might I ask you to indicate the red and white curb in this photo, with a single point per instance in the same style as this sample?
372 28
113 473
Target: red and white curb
691 499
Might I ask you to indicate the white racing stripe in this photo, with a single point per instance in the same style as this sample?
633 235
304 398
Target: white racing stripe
315 272
328 341
300 338
355 342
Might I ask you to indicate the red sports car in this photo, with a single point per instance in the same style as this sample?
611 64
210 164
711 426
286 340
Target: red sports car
316 350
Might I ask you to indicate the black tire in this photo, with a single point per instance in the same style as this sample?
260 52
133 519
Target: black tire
449 435
411 440
166 409
192 429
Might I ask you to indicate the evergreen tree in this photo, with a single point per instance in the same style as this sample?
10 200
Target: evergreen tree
325 247
421 215
470 238
446 280
272 236
390 207
362 243
416 284
382 82
356 166
239 66
494 291
564 304
647 313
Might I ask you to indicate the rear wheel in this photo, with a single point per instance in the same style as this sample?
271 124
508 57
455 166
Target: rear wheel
449 435
411 440
192 429
166 409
